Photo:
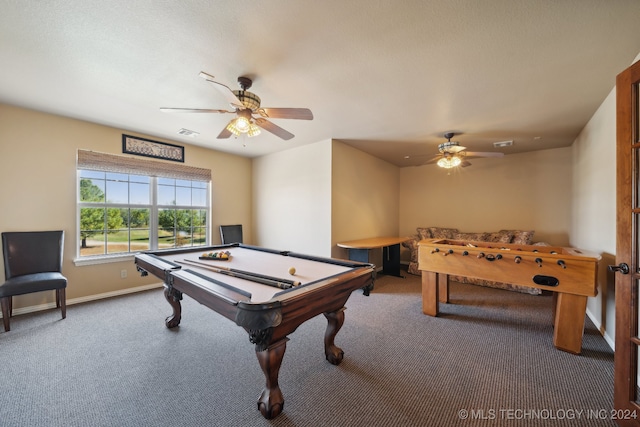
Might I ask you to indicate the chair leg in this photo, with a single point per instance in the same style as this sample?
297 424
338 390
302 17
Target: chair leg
6 312
61 301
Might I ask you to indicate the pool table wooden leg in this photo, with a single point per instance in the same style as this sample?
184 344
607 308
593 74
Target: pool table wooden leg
335 321
173 298
271 401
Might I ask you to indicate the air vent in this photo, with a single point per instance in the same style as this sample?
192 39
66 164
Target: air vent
503 144
187 132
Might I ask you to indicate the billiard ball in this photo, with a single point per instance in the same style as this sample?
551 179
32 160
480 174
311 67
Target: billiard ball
292 271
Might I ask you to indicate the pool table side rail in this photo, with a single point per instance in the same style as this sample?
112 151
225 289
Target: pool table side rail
294 304
222 299
334 261
163 269
285 311
150 263
306 302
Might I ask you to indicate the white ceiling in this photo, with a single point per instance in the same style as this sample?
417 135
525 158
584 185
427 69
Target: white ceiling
388 77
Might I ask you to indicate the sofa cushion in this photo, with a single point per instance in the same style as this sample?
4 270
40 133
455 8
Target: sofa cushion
521 237
504 236
442 233
423 233
474 237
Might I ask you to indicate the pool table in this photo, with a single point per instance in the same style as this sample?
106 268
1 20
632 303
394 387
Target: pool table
255 289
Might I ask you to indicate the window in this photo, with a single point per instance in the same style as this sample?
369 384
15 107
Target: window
128 205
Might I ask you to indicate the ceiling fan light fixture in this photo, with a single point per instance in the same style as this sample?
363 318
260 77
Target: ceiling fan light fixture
243 125
250 100
449 162
253 130
231 127
245 104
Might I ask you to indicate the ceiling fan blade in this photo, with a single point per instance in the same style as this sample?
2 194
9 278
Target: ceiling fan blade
225 133
224 90
207 76
464 164
274 129
193 110
286 113
483 154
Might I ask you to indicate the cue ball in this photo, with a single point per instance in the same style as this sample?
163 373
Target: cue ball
292 271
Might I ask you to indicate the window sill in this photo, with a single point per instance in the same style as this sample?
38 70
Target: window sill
103 259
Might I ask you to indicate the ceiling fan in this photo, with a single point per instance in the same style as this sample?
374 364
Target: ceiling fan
250 117
452 154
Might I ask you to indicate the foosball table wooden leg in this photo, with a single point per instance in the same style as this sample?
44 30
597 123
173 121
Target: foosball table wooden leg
443 288
430 293
569 322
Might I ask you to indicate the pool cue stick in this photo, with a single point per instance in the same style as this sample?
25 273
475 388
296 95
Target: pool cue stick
249 273
255 279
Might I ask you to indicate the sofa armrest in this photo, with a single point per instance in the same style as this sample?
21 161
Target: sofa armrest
412 245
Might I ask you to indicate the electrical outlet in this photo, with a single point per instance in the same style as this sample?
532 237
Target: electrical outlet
123 274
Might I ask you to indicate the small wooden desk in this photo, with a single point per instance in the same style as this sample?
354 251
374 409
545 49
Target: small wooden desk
359 251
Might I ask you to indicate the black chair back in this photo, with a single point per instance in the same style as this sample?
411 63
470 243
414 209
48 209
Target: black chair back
28 252
231 234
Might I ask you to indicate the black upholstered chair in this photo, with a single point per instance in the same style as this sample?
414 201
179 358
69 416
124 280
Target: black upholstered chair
231 234
32 263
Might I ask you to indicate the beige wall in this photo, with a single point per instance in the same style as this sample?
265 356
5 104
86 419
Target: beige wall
308 198
529 191
364 197
38 191
593 225
292 199
594 206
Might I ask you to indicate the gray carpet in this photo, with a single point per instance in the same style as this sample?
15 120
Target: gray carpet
488 360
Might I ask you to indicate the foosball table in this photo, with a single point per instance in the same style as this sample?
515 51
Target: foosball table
571 274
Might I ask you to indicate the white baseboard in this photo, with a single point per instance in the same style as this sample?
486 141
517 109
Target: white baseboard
48 306
598 325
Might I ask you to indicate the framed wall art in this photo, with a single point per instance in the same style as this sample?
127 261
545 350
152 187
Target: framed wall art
148 148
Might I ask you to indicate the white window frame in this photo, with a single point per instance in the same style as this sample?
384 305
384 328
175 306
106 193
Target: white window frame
154 170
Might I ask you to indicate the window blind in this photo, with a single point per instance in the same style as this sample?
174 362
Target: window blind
126 164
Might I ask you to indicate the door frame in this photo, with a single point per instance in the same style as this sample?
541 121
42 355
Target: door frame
627 213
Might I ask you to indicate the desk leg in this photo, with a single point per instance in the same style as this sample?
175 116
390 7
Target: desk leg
271 401
360 255
569 322
430 293
335 321
391 260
